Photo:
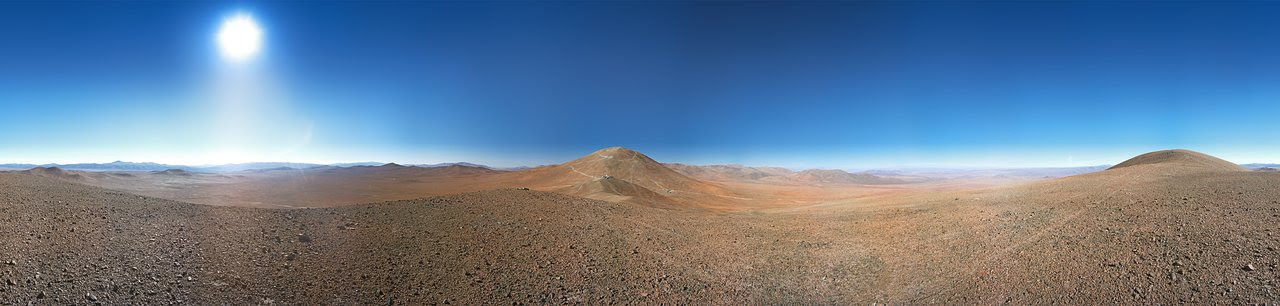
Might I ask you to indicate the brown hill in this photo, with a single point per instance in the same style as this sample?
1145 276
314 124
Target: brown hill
459 170
596 176
407 172
54 172
1179 159
616 190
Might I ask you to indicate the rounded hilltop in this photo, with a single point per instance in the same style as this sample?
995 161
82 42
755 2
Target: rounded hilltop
617 152
54 172
619 173
1180 158
620 162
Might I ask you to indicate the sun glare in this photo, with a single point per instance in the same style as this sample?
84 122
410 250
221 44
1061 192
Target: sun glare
239 38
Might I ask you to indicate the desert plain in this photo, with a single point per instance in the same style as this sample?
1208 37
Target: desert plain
617 227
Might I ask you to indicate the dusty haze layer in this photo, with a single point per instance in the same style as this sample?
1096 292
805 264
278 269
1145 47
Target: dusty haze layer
611 174
1166 227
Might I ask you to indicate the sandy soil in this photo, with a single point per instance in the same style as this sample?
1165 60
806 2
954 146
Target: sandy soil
1173 230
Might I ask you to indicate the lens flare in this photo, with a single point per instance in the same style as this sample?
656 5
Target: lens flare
239 38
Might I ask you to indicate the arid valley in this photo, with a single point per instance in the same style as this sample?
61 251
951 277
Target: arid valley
615 226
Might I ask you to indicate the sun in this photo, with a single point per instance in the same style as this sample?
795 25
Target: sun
239 38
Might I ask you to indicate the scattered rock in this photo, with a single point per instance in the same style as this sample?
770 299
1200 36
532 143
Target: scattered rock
568 256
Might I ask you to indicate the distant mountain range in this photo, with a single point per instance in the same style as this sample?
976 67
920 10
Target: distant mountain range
473 165
131 166
1257 166
451 164
112 166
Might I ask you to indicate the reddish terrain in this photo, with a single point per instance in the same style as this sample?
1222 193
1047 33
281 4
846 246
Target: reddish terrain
1165 227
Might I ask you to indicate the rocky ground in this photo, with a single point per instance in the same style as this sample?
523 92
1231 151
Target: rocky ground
1133 235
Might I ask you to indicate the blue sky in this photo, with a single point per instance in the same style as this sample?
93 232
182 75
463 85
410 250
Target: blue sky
841 85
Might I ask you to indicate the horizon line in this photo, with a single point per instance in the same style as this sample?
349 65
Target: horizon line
957 160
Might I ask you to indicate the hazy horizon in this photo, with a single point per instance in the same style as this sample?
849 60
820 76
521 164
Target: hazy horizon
906 166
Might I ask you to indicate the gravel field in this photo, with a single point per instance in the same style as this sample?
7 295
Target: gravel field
1153 233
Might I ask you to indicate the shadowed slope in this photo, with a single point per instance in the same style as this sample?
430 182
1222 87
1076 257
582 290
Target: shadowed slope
623 163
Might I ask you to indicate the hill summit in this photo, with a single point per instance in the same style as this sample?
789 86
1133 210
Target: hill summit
617 173
1180 158
636 168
